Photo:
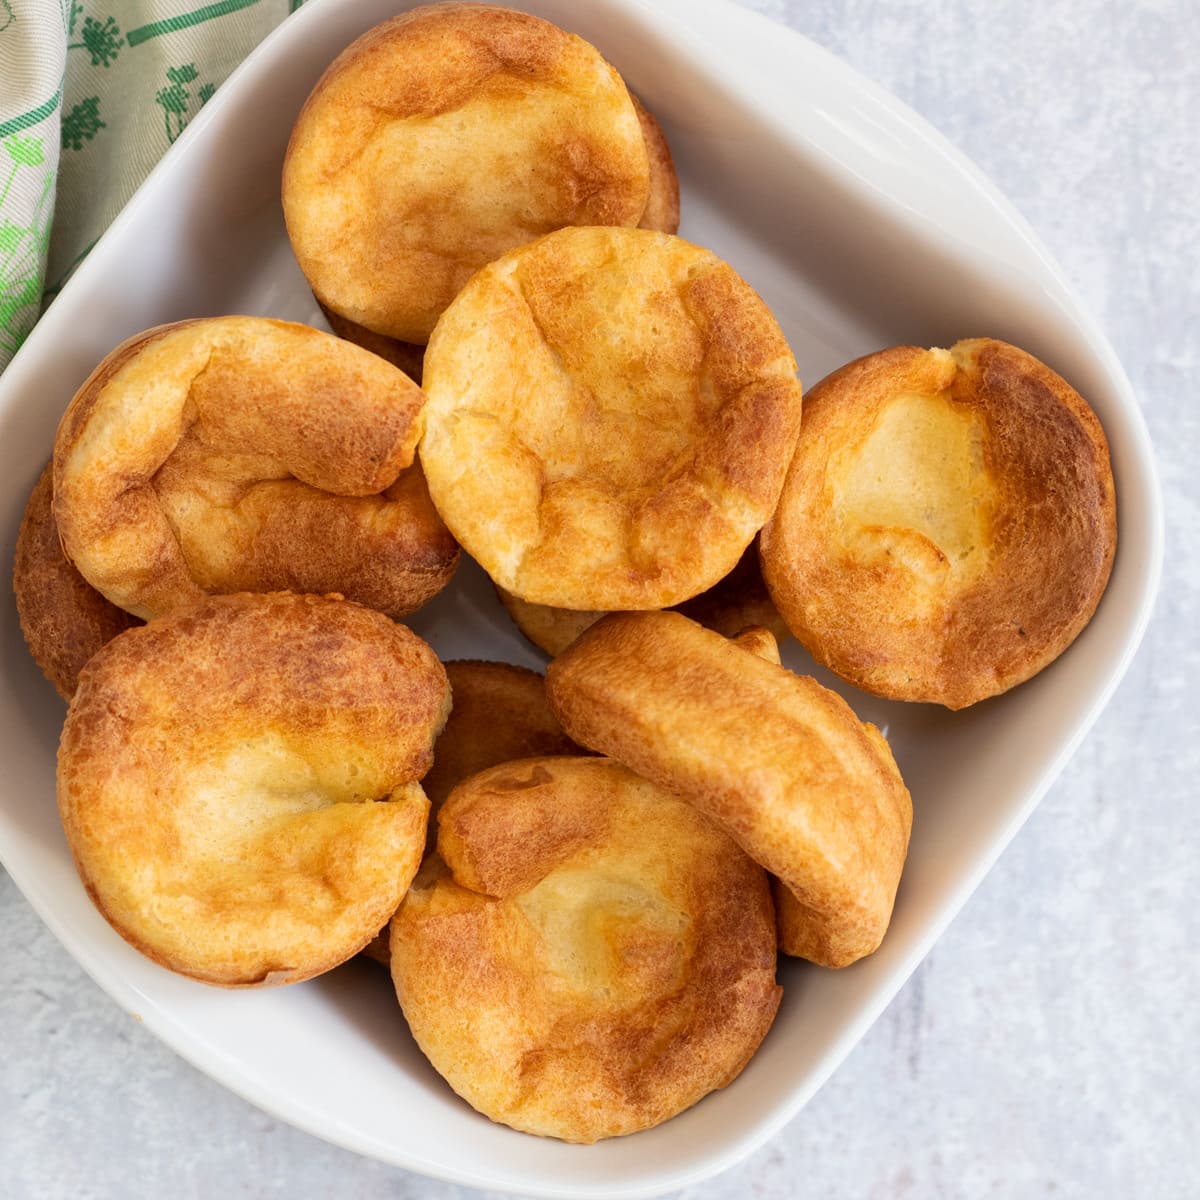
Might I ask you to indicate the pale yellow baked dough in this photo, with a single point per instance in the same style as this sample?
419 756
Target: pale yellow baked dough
782 764
64 619
609 418
245 454
591 957
237 782
550 629
441 139
948 525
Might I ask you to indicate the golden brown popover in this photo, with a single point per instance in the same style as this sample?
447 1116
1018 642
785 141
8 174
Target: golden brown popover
236 782
587 955
244 454
735 603
609 418
500 713
443 138
948 524
662 213
806 789
64 619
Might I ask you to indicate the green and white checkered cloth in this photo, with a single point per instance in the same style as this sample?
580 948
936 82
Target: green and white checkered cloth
91 94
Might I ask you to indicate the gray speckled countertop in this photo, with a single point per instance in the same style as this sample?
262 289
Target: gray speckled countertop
1049 1044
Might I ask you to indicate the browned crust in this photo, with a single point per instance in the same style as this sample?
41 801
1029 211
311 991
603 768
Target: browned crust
609 420
549 629
500 713
220 776
240 453
391 552
620 965
781 763
406 356
417 215
64 620
1049 535
170 573
662 208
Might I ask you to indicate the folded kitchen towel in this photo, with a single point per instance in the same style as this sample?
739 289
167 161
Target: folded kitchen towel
92 92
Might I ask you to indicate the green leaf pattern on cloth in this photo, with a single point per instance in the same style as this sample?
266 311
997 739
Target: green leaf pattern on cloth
102 42
176 100
22 245
82 123
92 93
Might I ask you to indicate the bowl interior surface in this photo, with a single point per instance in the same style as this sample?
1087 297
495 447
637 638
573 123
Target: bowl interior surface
862 229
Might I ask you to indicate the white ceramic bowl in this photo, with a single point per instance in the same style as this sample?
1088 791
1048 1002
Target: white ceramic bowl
862 228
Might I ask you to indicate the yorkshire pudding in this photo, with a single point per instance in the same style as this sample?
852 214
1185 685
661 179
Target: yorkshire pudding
441 139
737 602
806 789
244 454
64 619
592 957
236 782
662 213
500 713
948 524
609 419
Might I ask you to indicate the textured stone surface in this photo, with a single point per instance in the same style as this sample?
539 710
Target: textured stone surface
1048 1046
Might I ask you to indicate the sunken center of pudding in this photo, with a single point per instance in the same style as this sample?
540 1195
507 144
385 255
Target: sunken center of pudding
623 402
263 782
605 933
916 489
219 779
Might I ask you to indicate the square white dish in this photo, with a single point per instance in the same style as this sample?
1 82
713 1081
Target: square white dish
862 228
